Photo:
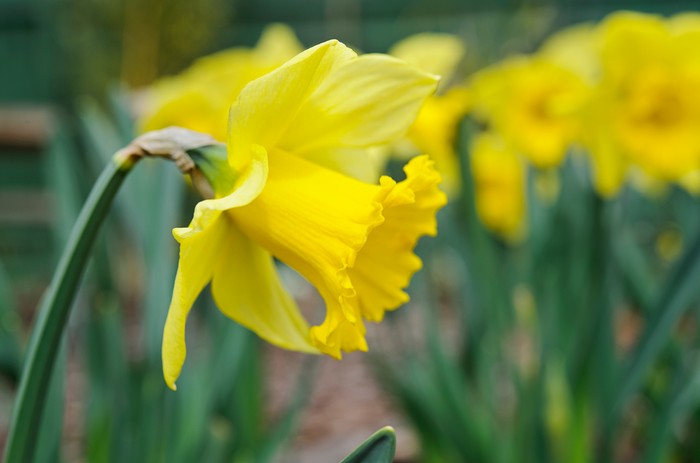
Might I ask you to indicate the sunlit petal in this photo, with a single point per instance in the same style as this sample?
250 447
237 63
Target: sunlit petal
199 254
344 110
200 245
437 54
247 289
265 107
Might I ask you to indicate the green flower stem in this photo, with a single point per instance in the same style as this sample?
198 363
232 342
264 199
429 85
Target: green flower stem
680 290
54 310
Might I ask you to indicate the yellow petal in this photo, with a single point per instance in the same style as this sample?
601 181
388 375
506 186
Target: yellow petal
277 44
685 28
199 253
366 101
264 108
325 103
499 186
434 131
199 97
576 48
435 53
362 164
200 245
631 41
323 237
246 288
180 101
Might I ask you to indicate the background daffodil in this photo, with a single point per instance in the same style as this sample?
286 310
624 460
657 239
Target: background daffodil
641 121
499 186
434 130
651 80
199 97
533 103
292 133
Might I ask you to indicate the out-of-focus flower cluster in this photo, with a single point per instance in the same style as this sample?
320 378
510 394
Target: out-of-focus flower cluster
623 94
625 91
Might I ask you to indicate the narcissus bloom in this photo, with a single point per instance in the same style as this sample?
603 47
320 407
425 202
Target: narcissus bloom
578 48
199 97
643 118
651 82
533 103
291 133
434 130
499 186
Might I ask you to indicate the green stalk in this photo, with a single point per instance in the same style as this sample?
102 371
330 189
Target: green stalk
678 293
54 310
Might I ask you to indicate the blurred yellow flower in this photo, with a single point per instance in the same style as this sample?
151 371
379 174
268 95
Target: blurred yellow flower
436 53
434 130
651 82
199 98
499 186
576 48
609 167
533 103
352 240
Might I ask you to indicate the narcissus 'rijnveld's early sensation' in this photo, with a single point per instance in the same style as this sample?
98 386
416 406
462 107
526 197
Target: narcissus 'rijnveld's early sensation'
292 136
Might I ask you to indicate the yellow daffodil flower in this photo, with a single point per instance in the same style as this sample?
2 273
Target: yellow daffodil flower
499 186
578 48
533 103
199 98
434 130
352 240
641 121
651 81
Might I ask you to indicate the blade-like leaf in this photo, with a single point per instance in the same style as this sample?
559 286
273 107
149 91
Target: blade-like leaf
379 448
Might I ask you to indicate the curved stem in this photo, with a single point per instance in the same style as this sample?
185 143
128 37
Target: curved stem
54 310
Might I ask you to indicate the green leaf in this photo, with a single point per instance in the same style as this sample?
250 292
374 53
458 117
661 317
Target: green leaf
675 298
53 314
47 440
379 448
